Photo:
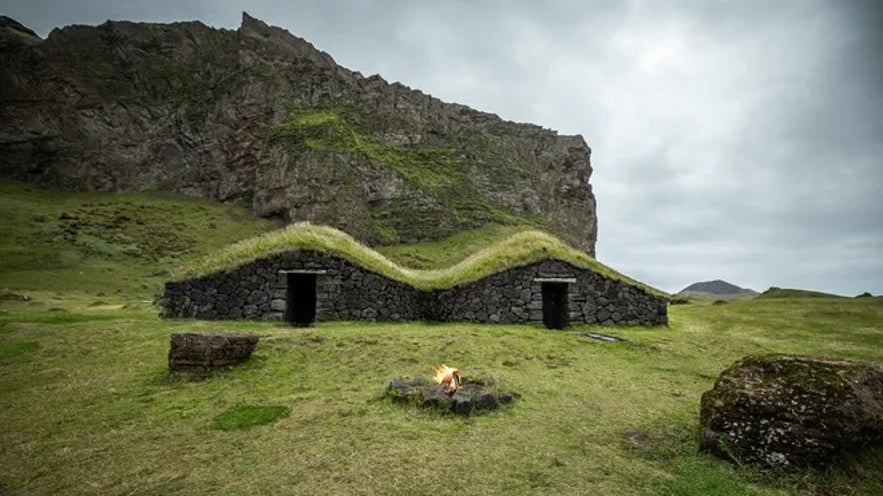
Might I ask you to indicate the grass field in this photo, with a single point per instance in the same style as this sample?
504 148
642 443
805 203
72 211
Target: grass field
88 406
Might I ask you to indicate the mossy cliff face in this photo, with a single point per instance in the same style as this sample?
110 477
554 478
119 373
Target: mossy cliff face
259 116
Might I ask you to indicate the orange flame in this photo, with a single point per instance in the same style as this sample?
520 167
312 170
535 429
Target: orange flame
448 376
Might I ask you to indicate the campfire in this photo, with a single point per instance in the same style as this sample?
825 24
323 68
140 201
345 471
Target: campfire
450 391
449 377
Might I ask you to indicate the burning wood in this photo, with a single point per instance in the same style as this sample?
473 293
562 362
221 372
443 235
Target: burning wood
448 376
473 395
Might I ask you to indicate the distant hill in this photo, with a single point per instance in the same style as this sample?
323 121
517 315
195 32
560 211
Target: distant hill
716 290
775 292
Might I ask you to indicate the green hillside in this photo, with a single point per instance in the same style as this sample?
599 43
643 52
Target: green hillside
106 242
775 292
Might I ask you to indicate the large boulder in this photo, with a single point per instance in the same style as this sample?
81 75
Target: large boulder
784 410
201 351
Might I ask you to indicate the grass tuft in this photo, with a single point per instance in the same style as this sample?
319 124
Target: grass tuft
243 417
16 349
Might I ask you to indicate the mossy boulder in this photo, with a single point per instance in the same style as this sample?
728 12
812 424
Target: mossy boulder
793 411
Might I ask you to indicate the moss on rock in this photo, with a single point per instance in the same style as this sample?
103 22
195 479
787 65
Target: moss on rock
784 410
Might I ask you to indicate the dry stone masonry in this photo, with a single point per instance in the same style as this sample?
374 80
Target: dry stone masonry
305 286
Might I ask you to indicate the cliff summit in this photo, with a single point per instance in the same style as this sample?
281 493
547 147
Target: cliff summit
260 117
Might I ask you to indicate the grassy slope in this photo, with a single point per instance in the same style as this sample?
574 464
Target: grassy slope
449 251
795 293
521 248
109 243
89 407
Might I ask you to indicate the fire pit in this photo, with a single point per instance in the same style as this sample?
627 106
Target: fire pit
450 391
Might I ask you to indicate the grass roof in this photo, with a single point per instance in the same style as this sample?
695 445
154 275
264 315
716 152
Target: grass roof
519 249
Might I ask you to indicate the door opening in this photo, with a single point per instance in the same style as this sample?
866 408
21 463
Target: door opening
555 305
300 301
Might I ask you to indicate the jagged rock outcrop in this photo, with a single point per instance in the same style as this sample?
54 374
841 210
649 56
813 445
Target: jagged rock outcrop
261 117
785 410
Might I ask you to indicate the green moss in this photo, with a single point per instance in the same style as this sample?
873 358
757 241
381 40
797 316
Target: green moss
517 250
448 251
24 37
243 417
16 349
341 130
384 225
441 172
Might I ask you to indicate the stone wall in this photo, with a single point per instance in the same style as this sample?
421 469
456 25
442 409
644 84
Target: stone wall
348 292
257 291
515 296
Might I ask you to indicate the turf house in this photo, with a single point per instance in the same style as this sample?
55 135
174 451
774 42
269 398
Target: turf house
306 274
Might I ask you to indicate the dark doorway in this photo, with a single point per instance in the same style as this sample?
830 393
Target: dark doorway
555 305
300 307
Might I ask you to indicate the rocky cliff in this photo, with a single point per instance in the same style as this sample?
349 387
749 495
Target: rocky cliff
259 116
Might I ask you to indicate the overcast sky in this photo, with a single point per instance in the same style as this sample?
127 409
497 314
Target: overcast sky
739 140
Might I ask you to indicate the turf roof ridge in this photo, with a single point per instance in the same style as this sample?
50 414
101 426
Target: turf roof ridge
519 249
